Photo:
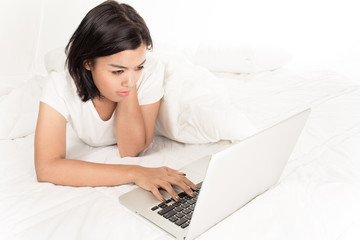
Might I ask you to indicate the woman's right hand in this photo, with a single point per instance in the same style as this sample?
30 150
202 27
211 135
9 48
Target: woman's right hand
151 179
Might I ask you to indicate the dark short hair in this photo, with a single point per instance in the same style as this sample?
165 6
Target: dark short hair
107 29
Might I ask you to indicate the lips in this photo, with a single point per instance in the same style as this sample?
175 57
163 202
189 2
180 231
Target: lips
123 94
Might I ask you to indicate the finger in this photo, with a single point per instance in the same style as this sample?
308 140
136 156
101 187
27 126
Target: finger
157 194
186 188
175 171
167 186
190 184
186 181
180 182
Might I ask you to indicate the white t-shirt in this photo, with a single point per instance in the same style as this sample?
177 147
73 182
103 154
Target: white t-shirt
60 93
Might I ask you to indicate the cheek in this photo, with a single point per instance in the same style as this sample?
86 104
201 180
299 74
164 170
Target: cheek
138 74
96 77
102 80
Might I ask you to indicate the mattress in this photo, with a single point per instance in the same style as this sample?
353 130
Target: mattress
317 196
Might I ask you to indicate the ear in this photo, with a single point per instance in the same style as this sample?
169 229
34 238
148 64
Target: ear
87 65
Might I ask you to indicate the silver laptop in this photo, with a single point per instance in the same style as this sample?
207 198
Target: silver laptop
230 178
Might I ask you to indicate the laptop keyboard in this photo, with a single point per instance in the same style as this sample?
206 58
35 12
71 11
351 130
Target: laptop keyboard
180 212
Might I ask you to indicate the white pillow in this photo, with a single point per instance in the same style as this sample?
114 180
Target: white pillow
55 60
240 59
8 83
196 108
19 100
19 109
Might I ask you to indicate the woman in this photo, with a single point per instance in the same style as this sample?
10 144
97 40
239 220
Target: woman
110 95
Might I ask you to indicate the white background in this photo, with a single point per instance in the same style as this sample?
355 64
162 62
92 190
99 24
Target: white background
312 31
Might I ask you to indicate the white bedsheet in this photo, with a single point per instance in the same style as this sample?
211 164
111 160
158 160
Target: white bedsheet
317 196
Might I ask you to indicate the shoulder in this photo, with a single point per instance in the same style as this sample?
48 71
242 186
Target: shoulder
61 84
60 92
63 81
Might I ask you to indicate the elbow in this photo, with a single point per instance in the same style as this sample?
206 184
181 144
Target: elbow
124 153
134 152
41 179
42 172
41 175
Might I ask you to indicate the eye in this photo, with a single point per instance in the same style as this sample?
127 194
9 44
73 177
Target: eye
139 68
118 72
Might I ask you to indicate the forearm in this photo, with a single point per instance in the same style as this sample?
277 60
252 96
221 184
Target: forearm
130 126
70 172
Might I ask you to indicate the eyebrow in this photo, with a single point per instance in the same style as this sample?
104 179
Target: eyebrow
119 66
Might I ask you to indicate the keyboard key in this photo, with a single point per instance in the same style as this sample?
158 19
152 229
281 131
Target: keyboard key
185 205
186 211
180 215
173 219
188 216
184 225
163 205
179 209
180 221
154 208
169 214
182 194
165 210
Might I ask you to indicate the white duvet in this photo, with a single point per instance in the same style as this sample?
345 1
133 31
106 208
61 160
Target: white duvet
317 196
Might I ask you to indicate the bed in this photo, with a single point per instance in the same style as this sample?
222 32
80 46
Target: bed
317 196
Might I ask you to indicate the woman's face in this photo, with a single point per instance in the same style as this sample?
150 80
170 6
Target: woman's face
116 75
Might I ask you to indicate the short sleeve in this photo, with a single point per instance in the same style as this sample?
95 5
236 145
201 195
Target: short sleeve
150 85
53 93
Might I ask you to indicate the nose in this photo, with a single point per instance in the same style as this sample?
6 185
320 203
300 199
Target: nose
128 81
